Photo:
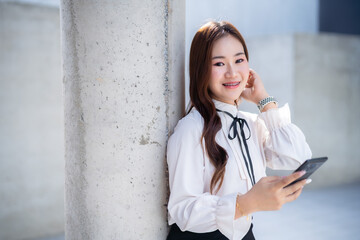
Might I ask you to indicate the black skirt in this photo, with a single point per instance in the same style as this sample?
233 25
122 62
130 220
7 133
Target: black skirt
176 234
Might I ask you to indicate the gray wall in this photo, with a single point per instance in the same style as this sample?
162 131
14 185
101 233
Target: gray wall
31 123
327 86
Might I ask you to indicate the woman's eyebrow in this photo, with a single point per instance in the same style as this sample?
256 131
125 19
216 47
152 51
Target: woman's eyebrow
237 54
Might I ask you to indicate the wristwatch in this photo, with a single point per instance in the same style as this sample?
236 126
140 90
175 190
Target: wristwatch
265 102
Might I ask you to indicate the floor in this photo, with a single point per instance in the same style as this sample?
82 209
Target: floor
330 213
321 214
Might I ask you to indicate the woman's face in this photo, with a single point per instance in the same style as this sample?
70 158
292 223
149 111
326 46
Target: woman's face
229 69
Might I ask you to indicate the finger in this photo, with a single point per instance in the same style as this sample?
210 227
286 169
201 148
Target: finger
252 71
253 74
293 188
273 178
250 79
249 84
293 196
289 179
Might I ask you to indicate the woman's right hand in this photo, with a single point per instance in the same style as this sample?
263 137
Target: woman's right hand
270 193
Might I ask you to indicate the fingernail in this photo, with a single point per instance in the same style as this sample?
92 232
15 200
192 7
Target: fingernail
303 172
308 181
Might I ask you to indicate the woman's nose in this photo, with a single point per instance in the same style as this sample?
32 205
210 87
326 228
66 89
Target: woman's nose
230 72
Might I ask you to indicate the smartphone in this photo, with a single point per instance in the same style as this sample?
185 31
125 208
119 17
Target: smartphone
310 166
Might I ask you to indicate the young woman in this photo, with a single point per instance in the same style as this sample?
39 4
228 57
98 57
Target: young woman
217 155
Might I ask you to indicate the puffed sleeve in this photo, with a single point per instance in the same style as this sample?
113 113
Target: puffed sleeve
285 146
190 206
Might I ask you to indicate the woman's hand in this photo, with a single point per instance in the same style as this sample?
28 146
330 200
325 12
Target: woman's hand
254 90
269 194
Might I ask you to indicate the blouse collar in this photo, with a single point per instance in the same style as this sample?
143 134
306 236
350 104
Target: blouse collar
230 108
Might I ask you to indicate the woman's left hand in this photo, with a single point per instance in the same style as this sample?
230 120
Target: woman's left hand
254 90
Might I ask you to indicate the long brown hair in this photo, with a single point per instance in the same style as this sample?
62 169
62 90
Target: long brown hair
200 95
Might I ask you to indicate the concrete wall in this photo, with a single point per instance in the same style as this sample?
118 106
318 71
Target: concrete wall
327 86
31 122
121 101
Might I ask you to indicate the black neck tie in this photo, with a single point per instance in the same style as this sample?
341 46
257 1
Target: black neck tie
233 129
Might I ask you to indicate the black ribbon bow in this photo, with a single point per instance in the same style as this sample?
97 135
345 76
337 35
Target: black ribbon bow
233 129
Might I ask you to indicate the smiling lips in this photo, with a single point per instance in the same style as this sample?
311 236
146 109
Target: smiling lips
231 84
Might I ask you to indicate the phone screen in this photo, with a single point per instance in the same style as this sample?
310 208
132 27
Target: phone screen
310 166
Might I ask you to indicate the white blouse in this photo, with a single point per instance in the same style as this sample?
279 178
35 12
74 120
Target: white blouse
275 142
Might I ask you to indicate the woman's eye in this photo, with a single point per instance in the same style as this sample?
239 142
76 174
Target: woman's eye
219 64
239 60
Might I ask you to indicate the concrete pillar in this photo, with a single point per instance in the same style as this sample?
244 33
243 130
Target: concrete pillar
123 70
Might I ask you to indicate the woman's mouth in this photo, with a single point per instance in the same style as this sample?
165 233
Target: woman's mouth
231 84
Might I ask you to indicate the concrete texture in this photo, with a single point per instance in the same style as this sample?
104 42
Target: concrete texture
118 115
31 123
176 63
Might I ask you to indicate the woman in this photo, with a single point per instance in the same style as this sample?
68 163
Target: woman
217 155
